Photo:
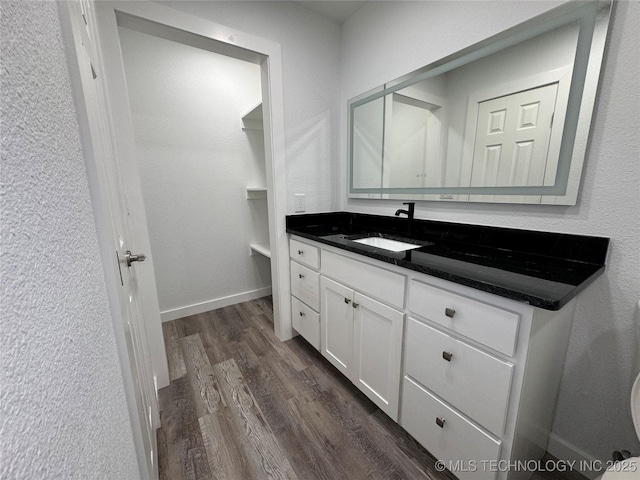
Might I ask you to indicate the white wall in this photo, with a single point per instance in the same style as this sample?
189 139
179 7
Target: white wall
62 405
311 83
195 162
593 413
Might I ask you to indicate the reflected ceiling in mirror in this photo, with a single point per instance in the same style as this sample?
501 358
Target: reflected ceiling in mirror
505 120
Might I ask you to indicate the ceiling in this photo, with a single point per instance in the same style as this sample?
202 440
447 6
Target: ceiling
338 10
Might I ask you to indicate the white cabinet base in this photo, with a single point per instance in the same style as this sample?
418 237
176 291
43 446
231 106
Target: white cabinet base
495 393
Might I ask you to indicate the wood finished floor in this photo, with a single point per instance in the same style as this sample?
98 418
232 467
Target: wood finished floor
242 405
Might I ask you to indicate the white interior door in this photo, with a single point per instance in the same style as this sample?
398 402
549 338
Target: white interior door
134 295
512 138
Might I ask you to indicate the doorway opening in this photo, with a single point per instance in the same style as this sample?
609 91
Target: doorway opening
197 117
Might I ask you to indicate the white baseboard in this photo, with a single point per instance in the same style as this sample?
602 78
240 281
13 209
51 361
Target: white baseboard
563 450
202 307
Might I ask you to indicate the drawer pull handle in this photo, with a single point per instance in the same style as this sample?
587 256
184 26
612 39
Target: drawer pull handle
449 312
440 422
355 305
302 314
447 356
300 275
300 252
347 300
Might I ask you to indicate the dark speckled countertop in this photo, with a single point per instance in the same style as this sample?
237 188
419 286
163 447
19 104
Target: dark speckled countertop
543 269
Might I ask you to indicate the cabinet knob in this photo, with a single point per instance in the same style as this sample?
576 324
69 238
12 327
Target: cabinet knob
449 312
355 305
447 356
300 252
300 275
440 422
347 300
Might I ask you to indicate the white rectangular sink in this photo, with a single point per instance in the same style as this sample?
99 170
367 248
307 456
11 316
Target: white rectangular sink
387 244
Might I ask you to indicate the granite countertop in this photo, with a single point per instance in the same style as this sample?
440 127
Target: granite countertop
543 269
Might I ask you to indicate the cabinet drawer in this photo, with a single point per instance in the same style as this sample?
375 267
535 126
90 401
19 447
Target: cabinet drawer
474 382
304 253
491 326
305 285
306 322
374 281
458 441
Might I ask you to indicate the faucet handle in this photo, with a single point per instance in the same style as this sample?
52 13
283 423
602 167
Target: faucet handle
412 206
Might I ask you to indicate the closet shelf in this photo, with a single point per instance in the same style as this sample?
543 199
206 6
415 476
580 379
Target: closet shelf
254 193
260 249
252 120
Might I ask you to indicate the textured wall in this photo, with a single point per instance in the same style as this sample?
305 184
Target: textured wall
311 78
593 408
195 162
63 412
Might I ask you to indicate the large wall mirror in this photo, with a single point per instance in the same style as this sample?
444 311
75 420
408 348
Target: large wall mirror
506 120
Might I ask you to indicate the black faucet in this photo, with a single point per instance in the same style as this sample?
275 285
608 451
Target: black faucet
409 212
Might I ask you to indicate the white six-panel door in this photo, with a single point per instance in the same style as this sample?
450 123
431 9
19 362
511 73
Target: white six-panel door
512 138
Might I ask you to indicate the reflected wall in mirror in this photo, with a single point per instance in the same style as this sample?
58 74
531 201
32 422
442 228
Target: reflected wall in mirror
505 120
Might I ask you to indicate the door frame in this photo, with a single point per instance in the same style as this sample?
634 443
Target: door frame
230 42
238 44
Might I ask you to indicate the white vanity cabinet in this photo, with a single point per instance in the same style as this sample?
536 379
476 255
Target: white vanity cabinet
305 290
362 338
470 375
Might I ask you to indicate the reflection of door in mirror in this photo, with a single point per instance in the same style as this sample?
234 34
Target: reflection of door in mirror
512 138
412 143
530 109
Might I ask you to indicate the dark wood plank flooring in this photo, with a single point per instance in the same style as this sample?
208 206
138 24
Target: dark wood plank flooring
242 405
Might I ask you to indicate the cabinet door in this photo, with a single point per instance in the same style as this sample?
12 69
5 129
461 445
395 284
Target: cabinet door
337 324
378 352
